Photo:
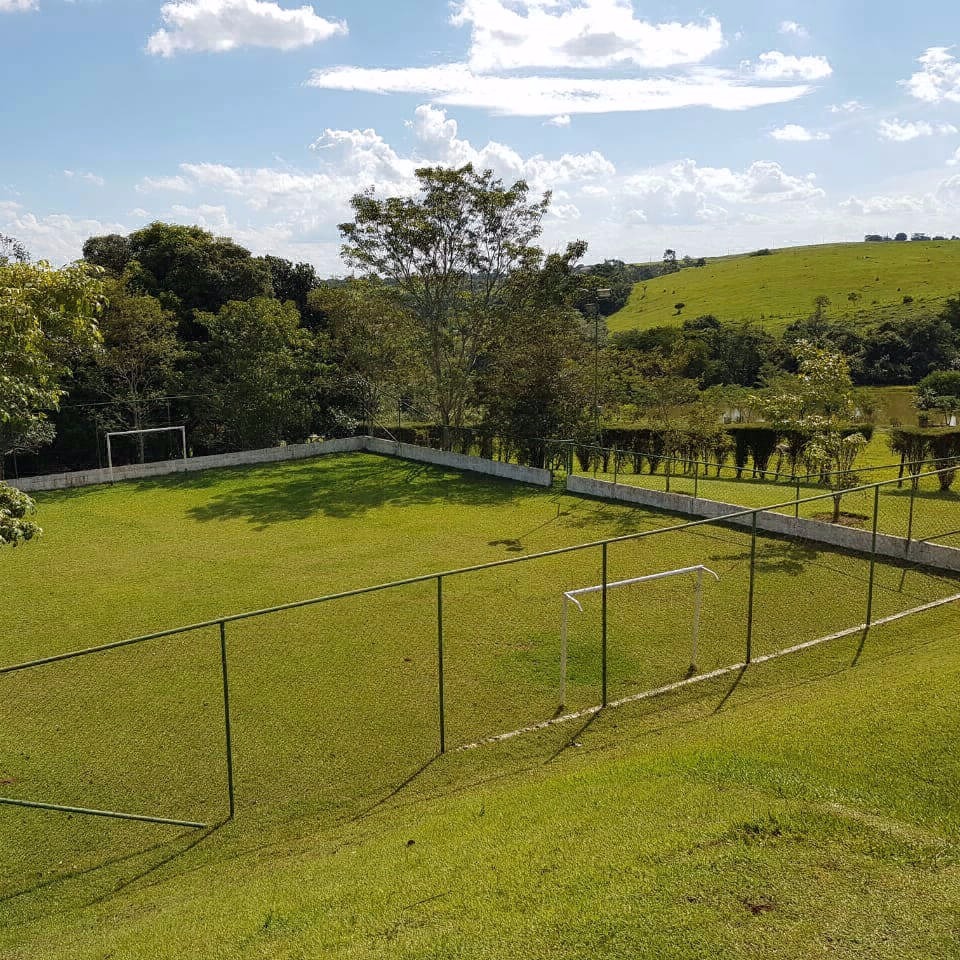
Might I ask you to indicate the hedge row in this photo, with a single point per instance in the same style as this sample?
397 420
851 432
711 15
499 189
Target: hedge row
918 444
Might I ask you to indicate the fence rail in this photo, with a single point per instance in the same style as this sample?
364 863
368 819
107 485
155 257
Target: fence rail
220 624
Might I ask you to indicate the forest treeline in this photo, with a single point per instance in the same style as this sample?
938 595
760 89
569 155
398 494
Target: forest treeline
453 316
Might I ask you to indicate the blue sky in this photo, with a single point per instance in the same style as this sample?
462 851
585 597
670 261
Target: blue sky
707 128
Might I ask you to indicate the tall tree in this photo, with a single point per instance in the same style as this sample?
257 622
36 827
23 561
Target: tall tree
536 381
257 370
449 251
46 317
137 365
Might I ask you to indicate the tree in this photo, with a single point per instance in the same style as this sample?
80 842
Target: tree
12 250
137 365
819 403
670 264
186 268
537 382
369 339
295 282
257 372
450 251
111 252
46 317
940 391
15 507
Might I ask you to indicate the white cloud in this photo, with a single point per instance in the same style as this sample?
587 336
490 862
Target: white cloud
456 85
97 181
942 201
57 237
514 34
794 133
775 65
792 28
901 131
561 120
939 78
219 25
849 106
954 161
151 184
17 6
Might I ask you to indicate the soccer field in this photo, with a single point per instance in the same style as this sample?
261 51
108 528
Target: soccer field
335 706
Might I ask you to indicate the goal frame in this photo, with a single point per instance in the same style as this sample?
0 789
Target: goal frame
570 596
182 430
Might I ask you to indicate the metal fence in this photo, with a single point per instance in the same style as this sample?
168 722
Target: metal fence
490 634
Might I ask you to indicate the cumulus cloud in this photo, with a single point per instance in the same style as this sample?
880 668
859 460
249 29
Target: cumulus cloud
57 237
902 131
794 29
561 120
93 178
191 26
17 6
794 133
775 65
938 79
542 96
514 34
849 106
942 201
176 184
954 161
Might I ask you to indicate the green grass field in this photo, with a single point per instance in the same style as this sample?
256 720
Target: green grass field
936 513
807 805
776 290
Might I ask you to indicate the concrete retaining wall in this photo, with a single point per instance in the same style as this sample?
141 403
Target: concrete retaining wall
138 471
293 451
846 538
459 461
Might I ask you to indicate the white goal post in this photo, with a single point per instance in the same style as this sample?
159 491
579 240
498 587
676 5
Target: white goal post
132 433
571 597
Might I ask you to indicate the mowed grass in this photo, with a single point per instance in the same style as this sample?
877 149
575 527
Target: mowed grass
936 513
775 290
729 818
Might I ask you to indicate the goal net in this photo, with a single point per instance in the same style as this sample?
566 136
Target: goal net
571 597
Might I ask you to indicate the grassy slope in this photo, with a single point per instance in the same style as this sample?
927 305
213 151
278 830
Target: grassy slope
778 289
790 820
335 736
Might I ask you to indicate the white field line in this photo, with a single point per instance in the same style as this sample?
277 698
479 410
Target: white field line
703 677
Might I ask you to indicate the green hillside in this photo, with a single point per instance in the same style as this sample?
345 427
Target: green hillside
775 290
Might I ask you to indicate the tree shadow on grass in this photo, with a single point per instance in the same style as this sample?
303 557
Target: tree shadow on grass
779 556
345 488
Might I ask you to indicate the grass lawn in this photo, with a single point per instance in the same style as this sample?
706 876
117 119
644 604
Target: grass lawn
733 819
936 513
778 289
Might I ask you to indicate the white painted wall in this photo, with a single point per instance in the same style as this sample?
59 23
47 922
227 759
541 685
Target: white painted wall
847 538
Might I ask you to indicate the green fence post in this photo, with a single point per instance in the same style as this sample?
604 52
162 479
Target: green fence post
440 691
226 715
696 479
616 465
603 633
873 555
753 577
796 506
669 462
913 496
